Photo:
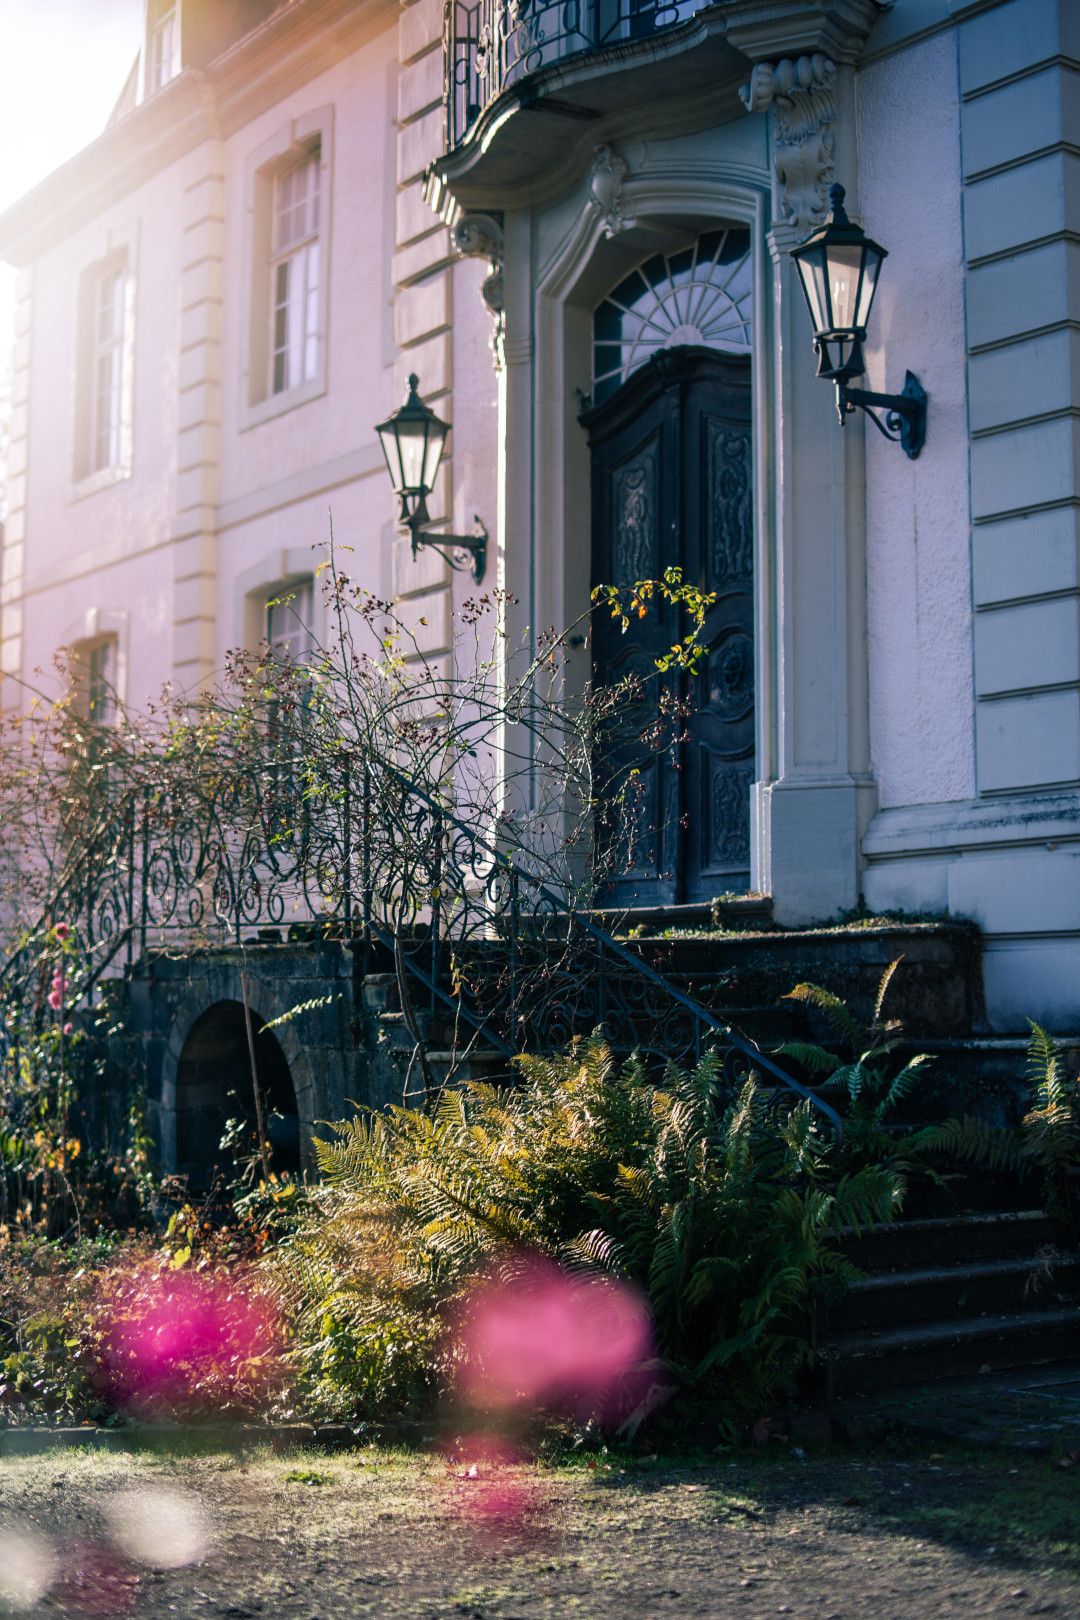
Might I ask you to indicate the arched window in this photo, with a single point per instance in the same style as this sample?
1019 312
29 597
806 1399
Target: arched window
700 295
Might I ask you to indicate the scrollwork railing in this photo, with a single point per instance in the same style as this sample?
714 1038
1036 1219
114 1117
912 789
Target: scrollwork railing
493 44
490 935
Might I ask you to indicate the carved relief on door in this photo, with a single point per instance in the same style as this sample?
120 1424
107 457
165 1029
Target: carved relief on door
634 537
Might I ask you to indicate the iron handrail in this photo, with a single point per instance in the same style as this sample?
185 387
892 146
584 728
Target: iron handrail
705 1021
418 862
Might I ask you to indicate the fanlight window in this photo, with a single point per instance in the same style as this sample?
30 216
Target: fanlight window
701 295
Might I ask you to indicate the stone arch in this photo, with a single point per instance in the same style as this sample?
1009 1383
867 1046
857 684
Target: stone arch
268 999
213 1084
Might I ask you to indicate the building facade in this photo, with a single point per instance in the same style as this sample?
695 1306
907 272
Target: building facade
575 224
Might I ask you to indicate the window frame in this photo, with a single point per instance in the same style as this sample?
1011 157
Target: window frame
116 258
162 28
299 141
293 253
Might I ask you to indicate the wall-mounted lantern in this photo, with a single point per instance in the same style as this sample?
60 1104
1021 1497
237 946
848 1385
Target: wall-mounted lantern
838 266
412 439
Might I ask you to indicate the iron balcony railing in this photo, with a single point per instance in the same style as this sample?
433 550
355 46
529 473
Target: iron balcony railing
493 44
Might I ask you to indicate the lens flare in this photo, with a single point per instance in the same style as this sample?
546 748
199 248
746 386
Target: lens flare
187 1342
27 1570
162 1529
545 1339
95 1582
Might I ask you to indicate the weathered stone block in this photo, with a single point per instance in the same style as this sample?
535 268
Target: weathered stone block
1027 466
419 144
419 28
1028 741
1028 116
422 309
1002 42
420 85
1027 556
1032 644
1004 211
1026 379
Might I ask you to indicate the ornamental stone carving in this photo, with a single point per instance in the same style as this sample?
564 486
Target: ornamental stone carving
801 94
480 236
606 178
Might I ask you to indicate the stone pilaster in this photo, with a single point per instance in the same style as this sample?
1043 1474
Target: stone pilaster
194 595
423 304
14 547
1020 125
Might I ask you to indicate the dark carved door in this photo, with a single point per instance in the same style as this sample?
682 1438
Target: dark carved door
672 487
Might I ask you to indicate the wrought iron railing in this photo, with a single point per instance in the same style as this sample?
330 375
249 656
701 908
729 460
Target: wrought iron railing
483 936
493 44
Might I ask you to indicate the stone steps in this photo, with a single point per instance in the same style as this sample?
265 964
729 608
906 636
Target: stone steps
860 1363
947 1296
937 1293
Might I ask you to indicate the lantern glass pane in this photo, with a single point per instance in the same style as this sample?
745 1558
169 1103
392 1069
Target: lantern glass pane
388 440
412 440
812 271
436 438
845 262
869 286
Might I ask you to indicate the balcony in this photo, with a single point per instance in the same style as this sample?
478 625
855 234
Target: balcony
532 85
495 44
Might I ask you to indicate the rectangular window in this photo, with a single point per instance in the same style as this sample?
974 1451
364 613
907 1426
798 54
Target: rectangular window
104 374
161 45
94 668
294 276
107 386
288 622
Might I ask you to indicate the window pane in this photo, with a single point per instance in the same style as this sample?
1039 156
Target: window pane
696 296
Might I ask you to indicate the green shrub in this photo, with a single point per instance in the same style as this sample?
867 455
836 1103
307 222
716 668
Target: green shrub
726 1211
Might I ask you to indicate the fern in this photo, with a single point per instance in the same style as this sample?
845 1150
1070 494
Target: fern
727 1211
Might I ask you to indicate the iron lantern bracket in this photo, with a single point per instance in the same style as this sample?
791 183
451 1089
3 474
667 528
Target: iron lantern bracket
904 415
465 553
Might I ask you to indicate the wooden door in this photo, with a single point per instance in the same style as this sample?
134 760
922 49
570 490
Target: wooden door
672 487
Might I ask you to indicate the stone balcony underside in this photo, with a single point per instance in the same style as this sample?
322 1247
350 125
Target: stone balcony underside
528 85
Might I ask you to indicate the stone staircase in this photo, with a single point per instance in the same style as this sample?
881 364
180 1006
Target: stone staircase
952 1295
974 1279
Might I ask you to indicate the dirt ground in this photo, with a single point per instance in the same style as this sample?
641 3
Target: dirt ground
375 1533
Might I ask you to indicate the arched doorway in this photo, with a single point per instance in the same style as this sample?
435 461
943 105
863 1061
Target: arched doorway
671 455
214 1084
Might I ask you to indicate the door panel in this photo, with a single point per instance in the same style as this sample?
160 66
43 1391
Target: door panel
672 487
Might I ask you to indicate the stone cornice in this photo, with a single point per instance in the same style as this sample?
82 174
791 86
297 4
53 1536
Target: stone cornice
293 46
765 30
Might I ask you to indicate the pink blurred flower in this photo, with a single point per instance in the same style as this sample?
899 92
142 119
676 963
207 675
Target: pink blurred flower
56 999
184 1340
93 1581
69 1029
548 1339
62 930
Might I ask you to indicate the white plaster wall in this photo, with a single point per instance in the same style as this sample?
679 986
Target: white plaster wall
918 550
111 549
361 89
301 529
85 541
360 353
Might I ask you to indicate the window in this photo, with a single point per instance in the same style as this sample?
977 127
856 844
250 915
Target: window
294 277
161 42
287 226
288 622
701 295
104 382
94 670
107 388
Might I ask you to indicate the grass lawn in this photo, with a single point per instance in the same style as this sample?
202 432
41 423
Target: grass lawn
381 1533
